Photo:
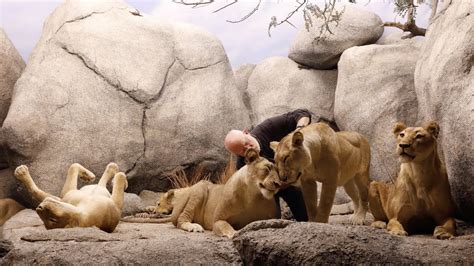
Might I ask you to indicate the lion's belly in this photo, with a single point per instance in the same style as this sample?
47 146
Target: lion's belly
255 212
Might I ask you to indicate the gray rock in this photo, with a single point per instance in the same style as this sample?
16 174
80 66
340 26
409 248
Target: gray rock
393 38
375 89
242 75
357 27
104 84
277 85
285 242
444 82
132 204
128 244
149 197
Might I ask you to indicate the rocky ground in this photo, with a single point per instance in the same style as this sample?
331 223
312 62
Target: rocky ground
266 242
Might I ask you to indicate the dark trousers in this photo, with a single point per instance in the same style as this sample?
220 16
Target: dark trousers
294 198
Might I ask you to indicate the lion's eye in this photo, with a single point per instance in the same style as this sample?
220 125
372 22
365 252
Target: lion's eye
402 135
419 136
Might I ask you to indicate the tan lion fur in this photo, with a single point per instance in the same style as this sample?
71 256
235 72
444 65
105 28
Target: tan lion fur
421 198
246 197
92 205
8 208
317 153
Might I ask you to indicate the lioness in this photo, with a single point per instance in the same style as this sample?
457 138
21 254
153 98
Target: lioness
317 153
246 197
421 196
8 208
92 205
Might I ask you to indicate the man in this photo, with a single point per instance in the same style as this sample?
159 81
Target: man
259 138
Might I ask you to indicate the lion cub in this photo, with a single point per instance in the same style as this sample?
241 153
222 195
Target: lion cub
246 197
92 205
421 198
317 153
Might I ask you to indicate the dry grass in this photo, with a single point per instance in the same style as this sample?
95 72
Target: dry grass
179 178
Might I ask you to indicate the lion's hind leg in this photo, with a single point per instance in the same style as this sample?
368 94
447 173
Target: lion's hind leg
377 200
357 217
223 228
23 175
118 190
110 170
76 170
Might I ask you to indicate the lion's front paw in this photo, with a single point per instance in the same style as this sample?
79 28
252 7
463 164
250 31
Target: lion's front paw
398 232
112 168
86 175
379 225
193 227
441 233
357 219
22 173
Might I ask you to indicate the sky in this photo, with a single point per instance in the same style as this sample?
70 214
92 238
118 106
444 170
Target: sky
245 42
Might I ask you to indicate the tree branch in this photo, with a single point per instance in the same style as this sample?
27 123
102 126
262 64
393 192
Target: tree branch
248 15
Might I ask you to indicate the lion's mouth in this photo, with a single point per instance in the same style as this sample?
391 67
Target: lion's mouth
264 187
404 154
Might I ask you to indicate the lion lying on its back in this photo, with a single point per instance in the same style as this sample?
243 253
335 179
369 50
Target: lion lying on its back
248 196
421 198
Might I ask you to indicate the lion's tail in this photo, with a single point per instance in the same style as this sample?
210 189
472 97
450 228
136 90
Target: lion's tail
132 219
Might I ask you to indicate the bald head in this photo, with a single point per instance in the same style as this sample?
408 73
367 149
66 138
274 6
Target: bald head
237 142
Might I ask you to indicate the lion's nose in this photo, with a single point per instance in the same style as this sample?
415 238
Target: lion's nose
404 145
276 184
283 178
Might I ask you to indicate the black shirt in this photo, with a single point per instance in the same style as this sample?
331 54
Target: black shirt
274 129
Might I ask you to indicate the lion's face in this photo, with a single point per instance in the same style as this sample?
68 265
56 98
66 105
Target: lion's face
291 157
56 214
263 172
165 204
414 144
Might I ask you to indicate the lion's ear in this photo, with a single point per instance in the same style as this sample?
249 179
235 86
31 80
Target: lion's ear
170 193
399 127
274 145
250 156
433 128
297 139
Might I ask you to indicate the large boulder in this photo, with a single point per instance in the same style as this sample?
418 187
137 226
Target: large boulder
375 89
444 82
242 75
128 244
11 67
107 84
277 85
356 27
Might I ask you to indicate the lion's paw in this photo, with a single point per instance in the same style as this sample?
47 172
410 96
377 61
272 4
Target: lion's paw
86 175
398 232
21 172
379 225
441 233
357 219
112 168
193 227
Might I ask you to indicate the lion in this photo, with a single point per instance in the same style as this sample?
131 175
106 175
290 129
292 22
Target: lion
223 208
420 199
92 205
317 153
8 208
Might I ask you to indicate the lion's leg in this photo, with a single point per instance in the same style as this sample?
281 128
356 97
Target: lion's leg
351 190
309 188
223 228
23 175
118 190
110 171
377 197
446 229
362 183
394 227
76 170
186 218
328 192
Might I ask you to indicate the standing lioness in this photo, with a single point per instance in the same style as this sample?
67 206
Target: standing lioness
92 205
318 153
421 198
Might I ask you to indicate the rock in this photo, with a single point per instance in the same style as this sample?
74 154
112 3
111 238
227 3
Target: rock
128 244
444 82
132 204
394 38
94 92
375 89
285 242
242 75
8 184
149 198
277 85
357 27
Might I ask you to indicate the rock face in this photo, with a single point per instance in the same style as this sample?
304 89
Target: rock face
242 75
128 244
375 89
11 67
357 27
444 82
284 242
277 85
105 84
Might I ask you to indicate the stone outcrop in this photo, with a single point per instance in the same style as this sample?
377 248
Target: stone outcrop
277 85
107 84
444 82
375 89
357 27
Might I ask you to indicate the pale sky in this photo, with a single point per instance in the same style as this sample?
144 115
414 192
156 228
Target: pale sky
245 42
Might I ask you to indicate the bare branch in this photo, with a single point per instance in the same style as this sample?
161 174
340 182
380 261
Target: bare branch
434 7
274 23
193 3
248 15
226 6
